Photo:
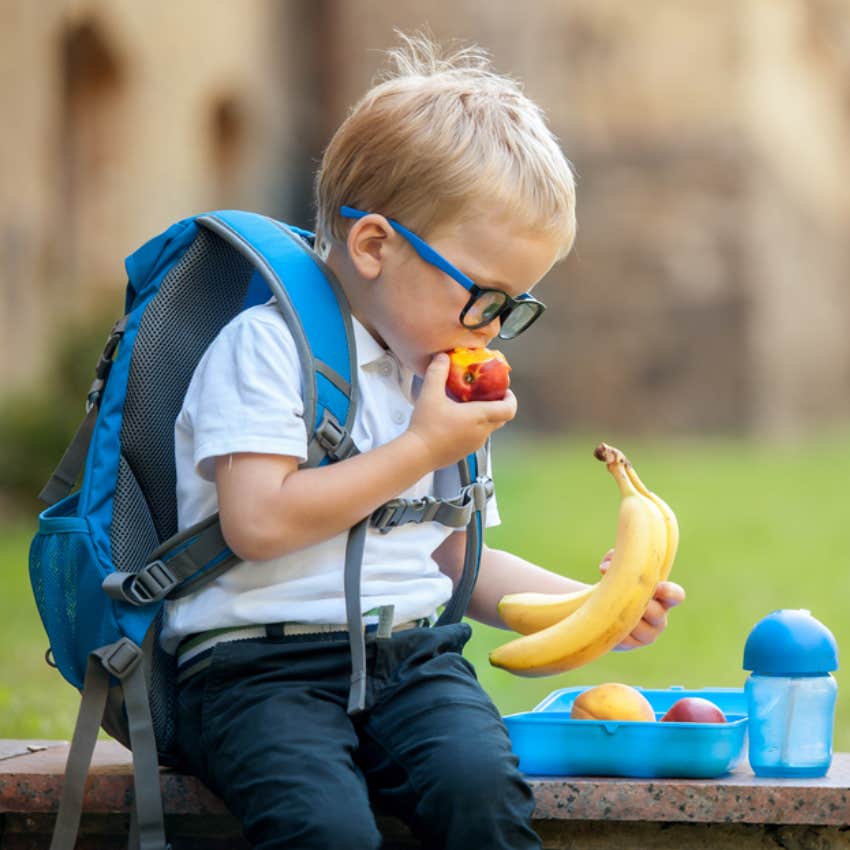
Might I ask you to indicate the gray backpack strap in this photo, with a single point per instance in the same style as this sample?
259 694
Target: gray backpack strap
122 660
73 460
470 506
356 633
179 566
456 606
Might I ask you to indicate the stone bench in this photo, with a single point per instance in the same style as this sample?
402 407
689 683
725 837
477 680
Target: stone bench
738 811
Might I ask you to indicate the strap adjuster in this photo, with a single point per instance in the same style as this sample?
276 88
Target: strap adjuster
479 492
121 658
153 582
104 363
383 518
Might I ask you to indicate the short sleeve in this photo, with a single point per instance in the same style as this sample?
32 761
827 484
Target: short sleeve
245 395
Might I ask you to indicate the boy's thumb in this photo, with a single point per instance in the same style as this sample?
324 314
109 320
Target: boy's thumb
436 373
438 367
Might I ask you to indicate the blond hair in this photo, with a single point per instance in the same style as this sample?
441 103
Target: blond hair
437 134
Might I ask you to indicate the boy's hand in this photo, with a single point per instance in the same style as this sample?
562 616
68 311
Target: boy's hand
449 429
667 595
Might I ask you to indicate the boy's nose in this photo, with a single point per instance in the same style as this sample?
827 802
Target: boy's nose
490 331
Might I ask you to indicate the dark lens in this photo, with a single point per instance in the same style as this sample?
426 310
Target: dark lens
484 307
520 317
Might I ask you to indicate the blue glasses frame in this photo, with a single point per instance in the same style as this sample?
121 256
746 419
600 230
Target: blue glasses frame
524 308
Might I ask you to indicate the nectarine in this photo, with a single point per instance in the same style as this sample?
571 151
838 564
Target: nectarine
694 710
477 374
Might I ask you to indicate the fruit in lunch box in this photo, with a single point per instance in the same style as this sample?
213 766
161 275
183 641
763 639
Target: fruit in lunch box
694 710
477 374
612 701
617 602
530 612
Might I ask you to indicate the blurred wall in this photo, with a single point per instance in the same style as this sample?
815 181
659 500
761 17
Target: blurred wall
706 290
118 118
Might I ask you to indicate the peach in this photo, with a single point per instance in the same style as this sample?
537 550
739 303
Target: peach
612 701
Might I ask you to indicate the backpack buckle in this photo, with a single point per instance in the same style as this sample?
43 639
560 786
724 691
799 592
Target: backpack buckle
400 511
334 439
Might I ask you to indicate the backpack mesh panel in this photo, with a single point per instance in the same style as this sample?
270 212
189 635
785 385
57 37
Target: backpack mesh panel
196 299
132 534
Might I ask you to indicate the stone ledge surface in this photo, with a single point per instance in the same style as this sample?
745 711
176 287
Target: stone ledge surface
31 781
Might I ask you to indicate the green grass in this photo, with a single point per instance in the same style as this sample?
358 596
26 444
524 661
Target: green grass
35 702
763 527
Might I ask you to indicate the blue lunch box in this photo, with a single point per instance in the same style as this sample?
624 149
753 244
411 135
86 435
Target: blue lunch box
549 743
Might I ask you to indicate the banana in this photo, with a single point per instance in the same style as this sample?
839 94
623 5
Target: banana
669 519
530 612
617 602
527 613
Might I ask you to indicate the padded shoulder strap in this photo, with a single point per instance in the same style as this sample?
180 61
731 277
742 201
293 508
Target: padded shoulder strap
317 313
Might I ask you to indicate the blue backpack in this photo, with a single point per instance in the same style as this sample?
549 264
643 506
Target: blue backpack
107 555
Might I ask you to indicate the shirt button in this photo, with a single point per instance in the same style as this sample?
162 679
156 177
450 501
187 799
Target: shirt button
386 368
398 417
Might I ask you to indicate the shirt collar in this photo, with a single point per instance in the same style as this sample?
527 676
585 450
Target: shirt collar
368 349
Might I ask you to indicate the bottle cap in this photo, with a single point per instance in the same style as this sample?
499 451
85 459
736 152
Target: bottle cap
790 642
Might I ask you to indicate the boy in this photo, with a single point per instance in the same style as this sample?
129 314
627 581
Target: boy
447 150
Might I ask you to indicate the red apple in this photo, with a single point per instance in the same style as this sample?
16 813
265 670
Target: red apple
694 710
477 374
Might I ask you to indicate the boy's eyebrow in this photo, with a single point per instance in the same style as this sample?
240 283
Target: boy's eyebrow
481 280
485 282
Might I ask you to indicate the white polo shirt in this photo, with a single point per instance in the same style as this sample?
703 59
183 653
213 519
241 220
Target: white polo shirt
245 396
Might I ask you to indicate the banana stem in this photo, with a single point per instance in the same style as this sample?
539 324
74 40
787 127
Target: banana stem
616 462
609 454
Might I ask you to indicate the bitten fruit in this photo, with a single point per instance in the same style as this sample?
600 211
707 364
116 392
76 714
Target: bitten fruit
612 701
477 374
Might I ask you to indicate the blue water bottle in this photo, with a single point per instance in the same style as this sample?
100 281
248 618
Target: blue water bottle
790 694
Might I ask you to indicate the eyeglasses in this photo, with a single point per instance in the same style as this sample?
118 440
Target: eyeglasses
484 305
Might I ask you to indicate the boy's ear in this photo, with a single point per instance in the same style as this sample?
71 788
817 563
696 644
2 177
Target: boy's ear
367 244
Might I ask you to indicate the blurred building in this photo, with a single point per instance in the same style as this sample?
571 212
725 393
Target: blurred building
707 287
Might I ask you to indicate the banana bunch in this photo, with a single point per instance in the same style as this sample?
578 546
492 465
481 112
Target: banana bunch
564 631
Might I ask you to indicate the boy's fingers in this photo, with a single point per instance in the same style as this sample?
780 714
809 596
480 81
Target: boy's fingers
655 614
506 407
670 594
494 411
646 632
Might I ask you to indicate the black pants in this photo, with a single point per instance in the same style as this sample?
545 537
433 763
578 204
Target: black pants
265 727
